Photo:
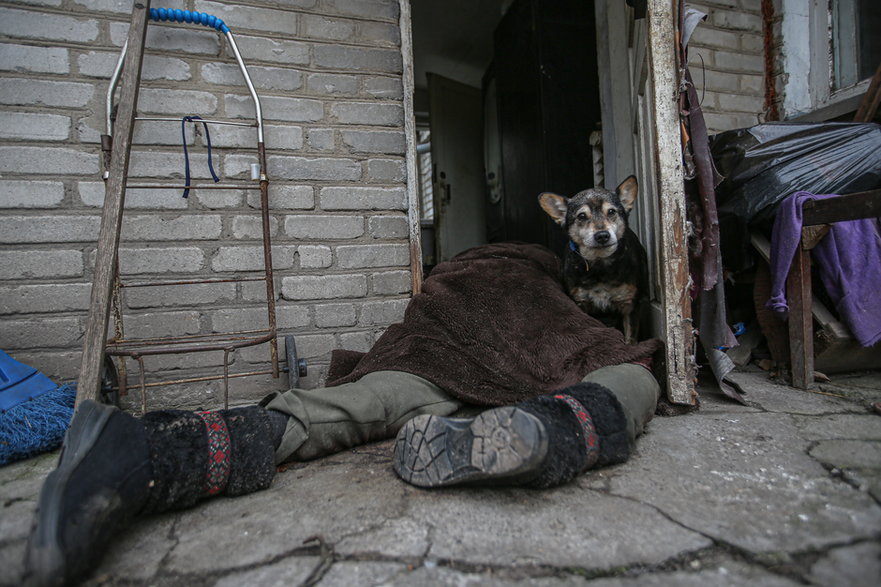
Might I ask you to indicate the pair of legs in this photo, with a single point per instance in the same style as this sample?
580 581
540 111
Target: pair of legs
376 407
114 467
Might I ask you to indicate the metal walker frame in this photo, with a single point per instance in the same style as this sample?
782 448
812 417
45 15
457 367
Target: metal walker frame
119 345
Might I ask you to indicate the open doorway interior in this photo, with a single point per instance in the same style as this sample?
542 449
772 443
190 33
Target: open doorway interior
506 100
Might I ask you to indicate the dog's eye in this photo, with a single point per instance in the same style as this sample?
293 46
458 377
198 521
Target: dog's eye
581 217
612 213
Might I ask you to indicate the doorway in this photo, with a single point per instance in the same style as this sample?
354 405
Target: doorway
507 91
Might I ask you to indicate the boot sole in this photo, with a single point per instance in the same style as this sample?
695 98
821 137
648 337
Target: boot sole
45 554
504 445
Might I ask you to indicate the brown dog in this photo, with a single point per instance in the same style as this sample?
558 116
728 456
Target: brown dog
605 267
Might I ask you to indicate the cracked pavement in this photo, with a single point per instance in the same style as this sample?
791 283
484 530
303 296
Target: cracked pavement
784 491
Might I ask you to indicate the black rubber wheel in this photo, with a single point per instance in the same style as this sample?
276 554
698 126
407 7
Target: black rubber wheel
296 368
109 382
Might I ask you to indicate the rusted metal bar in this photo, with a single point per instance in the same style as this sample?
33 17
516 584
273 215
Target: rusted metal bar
267 258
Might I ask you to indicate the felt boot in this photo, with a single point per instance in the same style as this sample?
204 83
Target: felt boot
114 467
542 442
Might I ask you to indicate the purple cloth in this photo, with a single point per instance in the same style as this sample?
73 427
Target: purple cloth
849 261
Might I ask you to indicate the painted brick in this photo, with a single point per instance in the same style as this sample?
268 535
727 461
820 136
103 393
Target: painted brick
373 141
176 101
324 227
321 139
388 227
379 33
286 197
275 108
171 228
40 2
33 126
263 78
335 315
357 341
731 19
362 198
155 67
738 103
390 282
320 287
237 16
144 164
721 122
389 170
195 41
330 29
155 324
388 9
319 169
179 295
713 37
119 6
383 312
250 258
48 229
315 345
275 136
160 260
292 316
379 255
49 27
218 199
331 84
164 133
356 58
368 113
92 195
55 297
716 80
33 59
297 3
32 92
251 227
238 319
40 264
389 88
33 160
739 62
30 194
275 51
42 333
314 256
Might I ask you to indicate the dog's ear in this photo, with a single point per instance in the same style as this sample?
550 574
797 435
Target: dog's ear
555 206
627 193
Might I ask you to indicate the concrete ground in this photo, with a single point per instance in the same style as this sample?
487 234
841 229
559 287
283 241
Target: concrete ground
784 491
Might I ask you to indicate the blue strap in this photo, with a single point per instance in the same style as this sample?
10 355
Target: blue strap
572 246
183 132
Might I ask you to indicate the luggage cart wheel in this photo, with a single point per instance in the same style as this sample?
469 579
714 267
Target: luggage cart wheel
109 382
296 368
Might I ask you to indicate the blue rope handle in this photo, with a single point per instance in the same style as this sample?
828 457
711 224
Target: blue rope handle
186 16
183 132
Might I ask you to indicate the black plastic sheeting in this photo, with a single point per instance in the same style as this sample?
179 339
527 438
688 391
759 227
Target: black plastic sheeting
764 164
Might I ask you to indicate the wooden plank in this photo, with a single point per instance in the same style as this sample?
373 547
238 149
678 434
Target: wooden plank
413 208
801 332
679 339
869 104
847 207
94 339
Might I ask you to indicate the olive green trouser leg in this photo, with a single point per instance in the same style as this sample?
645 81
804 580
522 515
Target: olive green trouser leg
332 419
635 388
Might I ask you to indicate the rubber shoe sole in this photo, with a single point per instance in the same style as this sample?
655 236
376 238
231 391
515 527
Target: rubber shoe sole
502 445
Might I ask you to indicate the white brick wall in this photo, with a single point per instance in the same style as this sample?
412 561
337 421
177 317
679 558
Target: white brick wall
329 76
726 60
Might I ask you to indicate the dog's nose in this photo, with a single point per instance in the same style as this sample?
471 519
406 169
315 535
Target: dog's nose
602 237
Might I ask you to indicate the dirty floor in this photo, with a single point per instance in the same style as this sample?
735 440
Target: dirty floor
784 491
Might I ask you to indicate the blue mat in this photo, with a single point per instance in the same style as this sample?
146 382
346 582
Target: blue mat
34 411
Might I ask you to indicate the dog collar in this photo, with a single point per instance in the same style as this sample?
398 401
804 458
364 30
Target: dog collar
572 246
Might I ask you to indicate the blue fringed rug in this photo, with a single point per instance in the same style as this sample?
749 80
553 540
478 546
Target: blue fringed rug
34 411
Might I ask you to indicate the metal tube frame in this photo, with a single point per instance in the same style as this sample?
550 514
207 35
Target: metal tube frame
228 343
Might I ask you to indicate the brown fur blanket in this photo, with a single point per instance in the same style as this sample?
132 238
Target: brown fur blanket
494 326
